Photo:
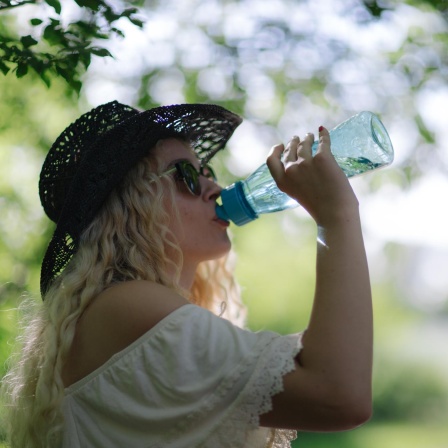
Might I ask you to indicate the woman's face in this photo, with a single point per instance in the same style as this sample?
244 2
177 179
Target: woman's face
200 234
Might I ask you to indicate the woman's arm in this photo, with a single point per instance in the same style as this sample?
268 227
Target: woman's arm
331 388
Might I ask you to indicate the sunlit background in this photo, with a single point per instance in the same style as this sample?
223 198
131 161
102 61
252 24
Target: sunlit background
287 67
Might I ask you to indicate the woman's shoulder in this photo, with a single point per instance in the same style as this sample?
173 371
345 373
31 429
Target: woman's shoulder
116 318
130 309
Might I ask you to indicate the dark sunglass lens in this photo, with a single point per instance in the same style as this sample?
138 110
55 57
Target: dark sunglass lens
191 178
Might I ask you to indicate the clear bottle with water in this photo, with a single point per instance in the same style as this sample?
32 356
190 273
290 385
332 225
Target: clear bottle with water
359 144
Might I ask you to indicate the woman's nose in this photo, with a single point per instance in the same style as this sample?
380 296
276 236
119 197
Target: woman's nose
210 188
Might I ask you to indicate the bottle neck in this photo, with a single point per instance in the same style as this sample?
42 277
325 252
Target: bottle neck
235 206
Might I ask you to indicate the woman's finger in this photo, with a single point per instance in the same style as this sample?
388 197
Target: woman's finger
324 140
304 149
290 154
274 161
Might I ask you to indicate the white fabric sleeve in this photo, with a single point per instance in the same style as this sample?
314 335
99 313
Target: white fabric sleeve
218 379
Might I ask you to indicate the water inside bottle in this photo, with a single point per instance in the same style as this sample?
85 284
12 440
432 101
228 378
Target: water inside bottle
361 139
269 198
353 166
263 195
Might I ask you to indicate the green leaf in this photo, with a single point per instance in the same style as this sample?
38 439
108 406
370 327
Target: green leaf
37 64
129 11
4 68
424 131
43 75
76 85
45 79
117 31
136 22
28 41
85 57
69 76
53 35
22 70
94 5
374 7
55 4
62 72
110 15
87 29
36 22
100 52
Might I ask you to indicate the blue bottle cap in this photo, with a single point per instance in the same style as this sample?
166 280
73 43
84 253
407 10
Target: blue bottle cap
235 206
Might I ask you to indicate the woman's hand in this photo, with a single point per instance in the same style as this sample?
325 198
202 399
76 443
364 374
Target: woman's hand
317 183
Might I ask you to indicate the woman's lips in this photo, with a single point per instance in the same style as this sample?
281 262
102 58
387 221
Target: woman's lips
222 222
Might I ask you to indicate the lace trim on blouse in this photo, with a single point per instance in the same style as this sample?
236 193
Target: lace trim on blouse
241 428
266 382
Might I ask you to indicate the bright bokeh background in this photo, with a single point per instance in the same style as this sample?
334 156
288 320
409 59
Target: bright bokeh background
287 67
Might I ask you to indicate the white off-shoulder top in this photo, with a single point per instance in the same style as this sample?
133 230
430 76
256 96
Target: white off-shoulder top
193 380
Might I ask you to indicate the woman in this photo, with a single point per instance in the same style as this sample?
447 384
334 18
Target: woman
137 342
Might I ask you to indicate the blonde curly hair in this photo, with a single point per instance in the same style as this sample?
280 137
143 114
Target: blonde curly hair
128 240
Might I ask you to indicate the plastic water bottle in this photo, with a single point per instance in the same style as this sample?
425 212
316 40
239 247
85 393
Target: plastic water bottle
359 144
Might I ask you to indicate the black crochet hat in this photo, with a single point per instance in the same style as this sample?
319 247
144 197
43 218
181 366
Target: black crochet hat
94 153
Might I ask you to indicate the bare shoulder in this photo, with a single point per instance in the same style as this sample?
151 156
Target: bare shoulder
116 318
132 308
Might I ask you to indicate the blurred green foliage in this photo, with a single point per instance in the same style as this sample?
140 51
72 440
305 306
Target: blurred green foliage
262 76
64 49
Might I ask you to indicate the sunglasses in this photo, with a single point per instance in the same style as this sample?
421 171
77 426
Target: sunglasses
186 172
